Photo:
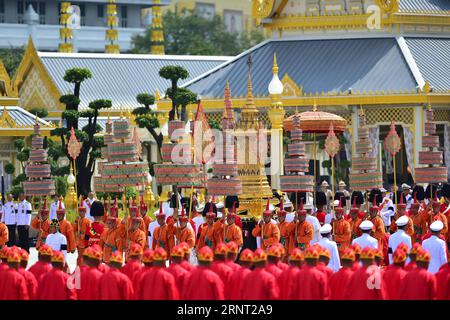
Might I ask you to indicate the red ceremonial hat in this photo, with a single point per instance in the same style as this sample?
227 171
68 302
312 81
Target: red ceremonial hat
403 247
45 250
161 212
312 253
259 255
324 252
13 256
281 212
117 257
135 250
374 206
183 216
399 255
436 202
415 248
24 256
401 204
82 208
301 211
95 253
354 209
423 255
148 256
378 253
416 202
87 252
246 255
177 251
133 207
185 247
339 209
44 209
357 248
274 251
367 253
232 247
296 255
221 249
211 213
232 212
4 252
348 254
267 212
143 205
114 210
58 256
160 254
205 254
60 208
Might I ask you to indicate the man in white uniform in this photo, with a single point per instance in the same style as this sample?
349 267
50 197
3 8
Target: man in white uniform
365 240
199 219
56 240
9 218
436 247
288 207
151 228
23 222
387 208
54 207
398 237
325 242
407 192
314 222
88 203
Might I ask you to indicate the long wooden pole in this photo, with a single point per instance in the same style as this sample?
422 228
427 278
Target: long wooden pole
332 183
315 167
395 181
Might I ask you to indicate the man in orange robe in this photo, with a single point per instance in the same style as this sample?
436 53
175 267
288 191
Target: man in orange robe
114 285
203 283
65 227
147 220
401 211
110 240
133 264
126 225
54 285
435 214
284 229
12 284
419 284
268 231
379 229
4 233
183 233
164 234
419 217
342 232
394 275
301 232
159 284
80 228
285 282
207 231
90 275
43 265
42 224
30 279
135 236
355 221
339 280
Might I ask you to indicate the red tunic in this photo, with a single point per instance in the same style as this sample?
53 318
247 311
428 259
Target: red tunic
90 284
285 282
358 288
309 284
418 284
327 271
53 286
203 284
179 273
393 278
234 288
137 278
114 285
130 268
411 266
356 265
187 265
233 265
40 268
94 233
260 285
31 282
103 267
13 285
222 270
339 282
443 282
159 284
283 266
274 270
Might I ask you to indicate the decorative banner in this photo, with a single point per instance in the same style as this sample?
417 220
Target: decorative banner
74 146
332 145
392 143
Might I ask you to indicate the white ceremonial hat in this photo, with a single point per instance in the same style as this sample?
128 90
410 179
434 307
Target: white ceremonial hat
287 203
402 221
219 205
336 203
437 226
366 225
271 207
326 228
200 207
307 206
383 190
219 214
405 186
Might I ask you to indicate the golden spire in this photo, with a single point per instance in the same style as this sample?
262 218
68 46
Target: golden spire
275 65
315 106
250 104
157 32
157 95
65 31
112 34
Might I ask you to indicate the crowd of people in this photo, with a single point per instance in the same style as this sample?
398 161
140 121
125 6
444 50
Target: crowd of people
395 249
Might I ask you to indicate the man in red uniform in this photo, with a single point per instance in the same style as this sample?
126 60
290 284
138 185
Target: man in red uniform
310 283
187 254
219 265
179 273
274 254
54 285
159 284
133 264
260 284
285 282
30 279
147 260
339 280
12 284
4 258
91 275
324 260
355 221
114 285
232 254
419 284
94 233
203 283
366 281
393 276
234 288
443 282
357 248
43 265
412 256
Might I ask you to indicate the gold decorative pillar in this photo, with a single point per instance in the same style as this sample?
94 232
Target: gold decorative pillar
157 31
276 115
65 32
112 34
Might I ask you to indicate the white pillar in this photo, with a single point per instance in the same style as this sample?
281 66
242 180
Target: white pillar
418 127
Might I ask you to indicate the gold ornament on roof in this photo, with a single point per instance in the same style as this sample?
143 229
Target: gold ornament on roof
6 120
262 8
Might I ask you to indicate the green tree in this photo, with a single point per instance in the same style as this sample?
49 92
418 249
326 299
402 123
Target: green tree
91 144
188 33
11 58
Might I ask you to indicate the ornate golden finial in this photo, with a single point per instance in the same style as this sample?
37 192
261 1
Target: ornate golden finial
250 102
275 65
36 121
315 105
157 95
